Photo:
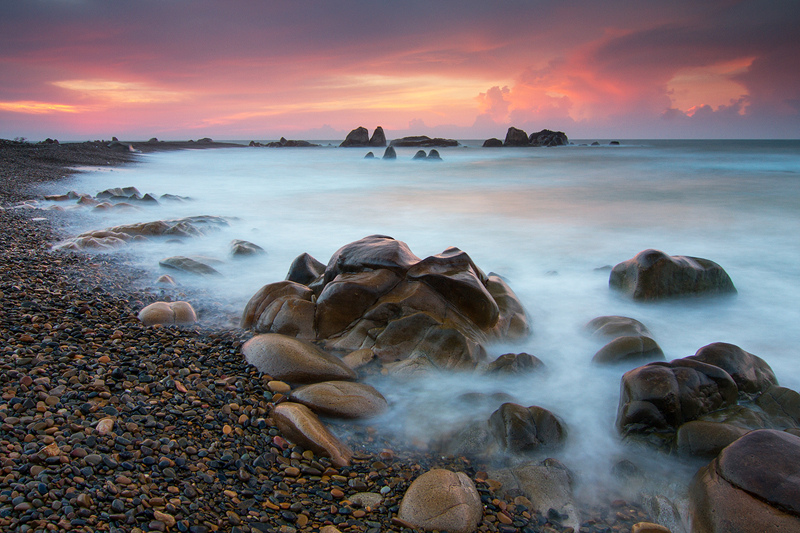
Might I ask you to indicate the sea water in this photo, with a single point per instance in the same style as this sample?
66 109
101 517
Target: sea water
551 221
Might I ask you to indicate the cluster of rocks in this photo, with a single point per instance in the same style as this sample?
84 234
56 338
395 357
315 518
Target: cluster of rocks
284 143
518 137
359 137
115 198
391 154
423 141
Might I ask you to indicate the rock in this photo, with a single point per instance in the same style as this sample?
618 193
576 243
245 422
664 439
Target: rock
283 307
706 439
168 313
423 141
370 253
389 153
189 265
167 280
378 137
657 398
420 155
300 425
522 430
629 349
653 275
751 373
285 143
105 426
512 324
358 358
341 399
782 405
240 248
613 326
648 527
548 138
293 360
433 155
751 486
305 269
514 363
369 155
516 137
357 137
492 143
547 484
442 500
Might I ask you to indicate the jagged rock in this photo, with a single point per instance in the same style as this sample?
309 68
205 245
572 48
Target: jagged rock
341 399
516 137
189 265
653 275
423 141
548 138
442 500
305 269
240 248
378 137
751 373
751 486
300 425
389 153
168 313
357 137
293 360
119 235
492 143
525 430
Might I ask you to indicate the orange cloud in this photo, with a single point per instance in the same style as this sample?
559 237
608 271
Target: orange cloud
39 108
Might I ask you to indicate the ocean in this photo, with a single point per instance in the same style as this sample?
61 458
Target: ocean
551 221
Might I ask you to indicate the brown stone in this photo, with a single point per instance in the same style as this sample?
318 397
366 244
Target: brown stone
342 399
442 500
293 360
526 430
751 373
300 425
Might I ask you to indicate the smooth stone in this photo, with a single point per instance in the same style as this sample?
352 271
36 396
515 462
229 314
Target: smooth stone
300 425
442 500
750 373
168 313
341 399
293 360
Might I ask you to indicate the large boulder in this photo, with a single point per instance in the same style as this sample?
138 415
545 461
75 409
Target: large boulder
442 500
629 340
389 153
653 275
782 406
494 142
378 137
300 425
753 485
168 313
357 137
341 399
751 373
657 398
293 360
516 137
548 138
700 438
375 294
525 430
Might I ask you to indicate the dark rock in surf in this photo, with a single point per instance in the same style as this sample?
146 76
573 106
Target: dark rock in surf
751 373
240 248
378 138
420 155
433 155
369 155
516 137
188 265
548 138
357 137
514 363
389 153
630 340
423 141
653 275
492 143
525 430
305 269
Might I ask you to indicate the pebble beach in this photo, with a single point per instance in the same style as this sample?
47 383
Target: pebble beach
109 425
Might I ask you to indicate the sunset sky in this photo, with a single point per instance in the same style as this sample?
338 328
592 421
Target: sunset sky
248 69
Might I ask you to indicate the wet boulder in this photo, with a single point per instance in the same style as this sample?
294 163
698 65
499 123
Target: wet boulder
629 340
305 269
516 137
751 373
341 399
357 137
389 153
442 500
420 155
293 360
168 313
300 425
514 363
525 430
370 253
283 307
189 265
700 438
753 485
781 405
657 398
433 155
240 248
654 275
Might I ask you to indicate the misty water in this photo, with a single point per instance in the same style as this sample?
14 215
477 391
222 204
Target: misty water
548 220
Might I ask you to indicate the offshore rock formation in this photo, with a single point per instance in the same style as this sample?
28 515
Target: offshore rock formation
360 137
518 137
375 294
654 275
423 141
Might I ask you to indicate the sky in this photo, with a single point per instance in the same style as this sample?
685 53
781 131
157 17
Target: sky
259 70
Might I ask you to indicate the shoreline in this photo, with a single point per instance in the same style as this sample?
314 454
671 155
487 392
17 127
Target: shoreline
192 447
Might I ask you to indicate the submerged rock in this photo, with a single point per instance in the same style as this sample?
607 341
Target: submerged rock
240 248
189 265
630 340
653 275
389 153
